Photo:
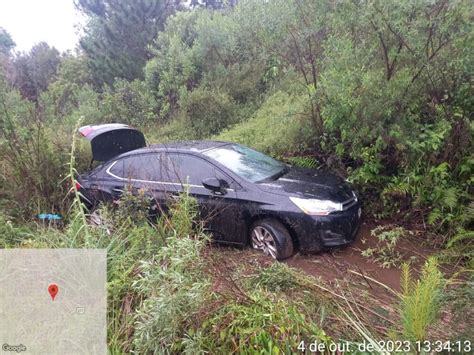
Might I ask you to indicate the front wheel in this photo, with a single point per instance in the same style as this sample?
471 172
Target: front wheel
271 237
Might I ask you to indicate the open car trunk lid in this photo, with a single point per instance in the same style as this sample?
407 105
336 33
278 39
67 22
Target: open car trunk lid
109 140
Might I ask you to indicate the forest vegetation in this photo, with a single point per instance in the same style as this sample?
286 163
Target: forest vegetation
378 92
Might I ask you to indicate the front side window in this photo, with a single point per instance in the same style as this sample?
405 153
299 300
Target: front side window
187 169
245 162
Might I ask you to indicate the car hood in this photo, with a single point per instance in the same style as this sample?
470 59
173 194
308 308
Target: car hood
309 183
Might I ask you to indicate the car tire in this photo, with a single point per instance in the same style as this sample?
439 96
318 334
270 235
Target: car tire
272 237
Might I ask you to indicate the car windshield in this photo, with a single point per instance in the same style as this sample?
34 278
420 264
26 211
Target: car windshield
247 163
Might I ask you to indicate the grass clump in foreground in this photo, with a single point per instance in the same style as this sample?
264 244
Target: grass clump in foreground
172 283
263 323
420 300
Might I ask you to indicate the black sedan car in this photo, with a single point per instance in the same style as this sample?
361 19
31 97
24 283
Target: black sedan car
244 196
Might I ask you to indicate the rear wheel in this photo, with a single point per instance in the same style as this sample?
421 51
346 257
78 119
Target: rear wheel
271 237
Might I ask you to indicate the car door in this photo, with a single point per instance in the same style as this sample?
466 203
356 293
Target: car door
141 173
216 210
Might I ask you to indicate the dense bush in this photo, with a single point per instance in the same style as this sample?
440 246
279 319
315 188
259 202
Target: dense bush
175 68
208 112
128 102
66 93
385 97
33 158
279 126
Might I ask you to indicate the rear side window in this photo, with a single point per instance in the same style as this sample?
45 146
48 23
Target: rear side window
185 168
140 167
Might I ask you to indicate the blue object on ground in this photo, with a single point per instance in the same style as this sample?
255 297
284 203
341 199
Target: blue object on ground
49 216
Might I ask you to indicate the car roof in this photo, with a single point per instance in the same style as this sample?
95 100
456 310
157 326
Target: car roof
197 146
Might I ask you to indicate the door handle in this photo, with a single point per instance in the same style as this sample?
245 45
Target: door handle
222 192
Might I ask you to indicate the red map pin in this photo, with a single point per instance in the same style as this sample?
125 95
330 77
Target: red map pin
53 290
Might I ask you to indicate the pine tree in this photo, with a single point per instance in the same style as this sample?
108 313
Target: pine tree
6 42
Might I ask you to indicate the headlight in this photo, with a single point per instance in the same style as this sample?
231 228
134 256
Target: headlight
316 207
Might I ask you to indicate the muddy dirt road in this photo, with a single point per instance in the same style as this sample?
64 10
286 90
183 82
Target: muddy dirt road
345 274
348 262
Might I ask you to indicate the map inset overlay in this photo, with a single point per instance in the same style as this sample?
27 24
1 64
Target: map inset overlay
31 322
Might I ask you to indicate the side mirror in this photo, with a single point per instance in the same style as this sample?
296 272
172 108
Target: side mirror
215 185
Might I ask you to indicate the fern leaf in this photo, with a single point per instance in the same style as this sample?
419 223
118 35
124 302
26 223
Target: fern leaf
465 235
434 216
450 197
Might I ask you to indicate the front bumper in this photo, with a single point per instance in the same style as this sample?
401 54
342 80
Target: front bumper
315 232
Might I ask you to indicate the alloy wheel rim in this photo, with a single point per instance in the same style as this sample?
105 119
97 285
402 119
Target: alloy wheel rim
263 240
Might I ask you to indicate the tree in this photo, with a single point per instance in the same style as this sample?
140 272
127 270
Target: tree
6 42
35 70
213 4
118 35
73 80
6 46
